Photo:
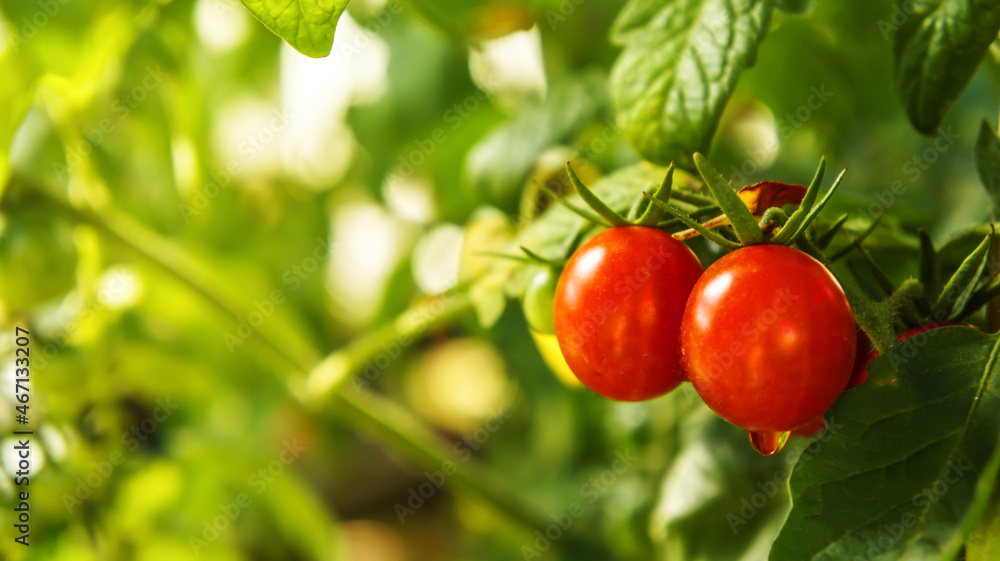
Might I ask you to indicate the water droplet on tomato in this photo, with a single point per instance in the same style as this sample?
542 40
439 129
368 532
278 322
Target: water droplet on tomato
768 443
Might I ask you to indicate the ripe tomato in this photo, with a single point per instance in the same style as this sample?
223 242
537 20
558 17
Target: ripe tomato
862 374
768 338
812 428
618 311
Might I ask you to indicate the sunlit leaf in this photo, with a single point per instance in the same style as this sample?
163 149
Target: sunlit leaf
681 62
307 25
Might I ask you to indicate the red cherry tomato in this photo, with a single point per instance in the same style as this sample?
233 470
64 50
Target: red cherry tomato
862 374
768 338
618 310
812 428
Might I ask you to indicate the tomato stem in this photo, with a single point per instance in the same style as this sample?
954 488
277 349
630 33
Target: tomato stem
861 237
823 240
583 213
693 224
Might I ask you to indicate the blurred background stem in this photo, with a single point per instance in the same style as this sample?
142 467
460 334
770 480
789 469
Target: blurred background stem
359 407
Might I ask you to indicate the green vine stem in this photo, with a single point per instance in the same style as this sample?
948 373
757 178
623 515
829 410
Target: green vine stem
381 418
329 375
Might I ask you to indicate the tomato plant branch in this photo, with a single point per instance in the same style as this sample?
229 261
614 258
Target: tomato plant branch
860 238
389 422
823 240
328 376
582 213
698 227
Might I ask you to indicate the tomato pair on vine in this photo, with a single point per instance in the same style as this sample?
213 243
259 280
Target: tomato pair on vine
765 335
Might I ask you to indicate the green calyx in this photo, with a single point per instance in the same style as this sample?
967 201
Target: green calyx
735 222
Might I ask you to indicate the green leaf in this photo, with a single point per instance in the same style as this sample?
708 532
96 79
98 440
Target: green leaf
909 474
681 62
306 25
937 49
488 299
577 210
988 162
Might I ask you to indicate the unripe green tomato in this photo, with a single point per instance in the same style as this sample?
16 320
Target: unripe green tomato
548 347
539 299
